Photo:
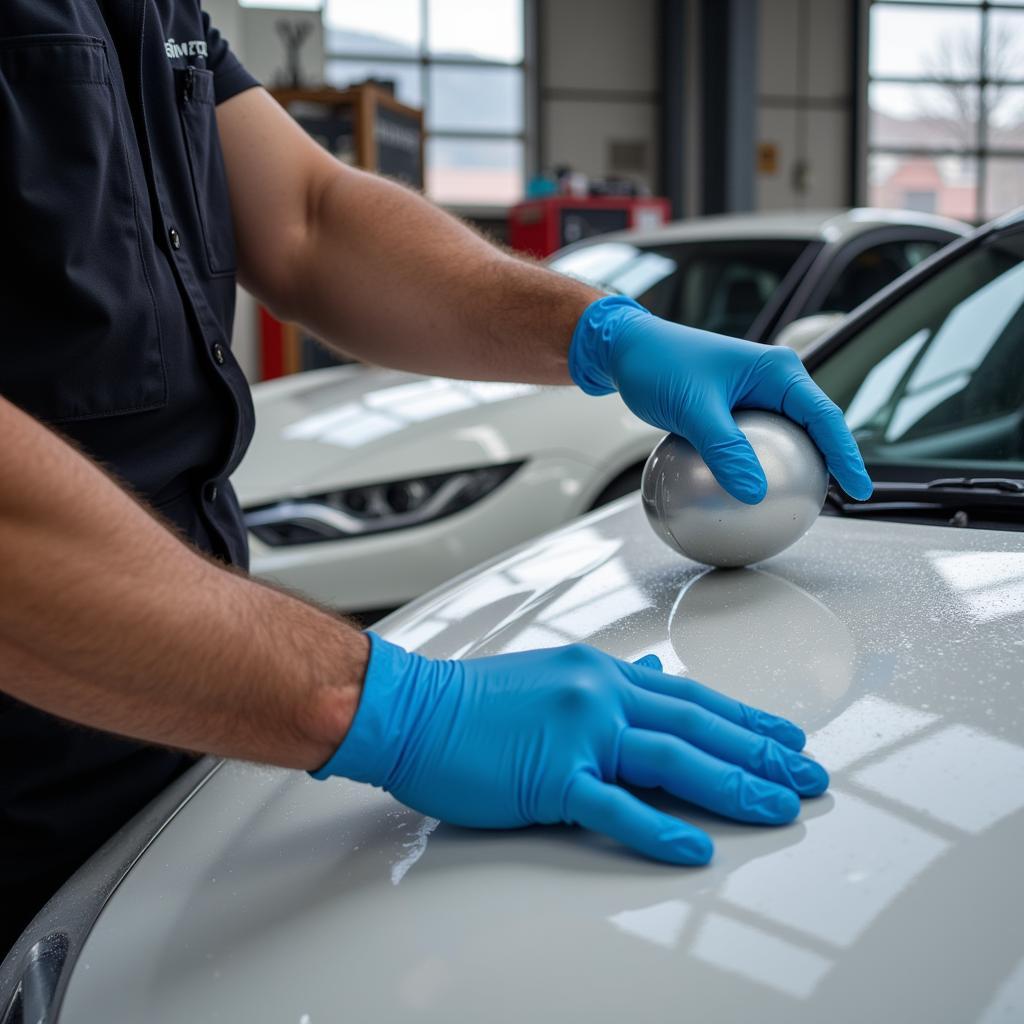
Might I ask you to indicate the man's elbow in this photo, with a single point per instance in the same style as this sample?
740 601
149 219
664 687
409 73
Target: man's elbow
283 273
273 278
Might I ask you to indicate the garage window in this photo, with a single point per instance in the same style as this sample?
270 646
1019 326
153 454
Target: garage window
946 106
463 62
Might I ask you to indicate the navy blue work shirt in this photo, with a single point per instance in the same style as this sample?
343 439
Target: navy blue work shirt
117 291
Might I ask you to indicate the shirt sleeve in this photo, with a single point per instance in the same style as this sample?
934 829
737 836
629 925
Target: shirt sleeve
229 76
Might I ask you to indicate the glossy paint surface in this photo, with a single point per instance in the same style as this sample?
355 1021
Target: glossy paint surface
691 512
895 897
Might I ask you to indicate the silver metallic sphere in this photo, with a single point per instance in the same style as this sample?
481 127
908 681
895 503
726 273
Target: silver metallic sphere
691 513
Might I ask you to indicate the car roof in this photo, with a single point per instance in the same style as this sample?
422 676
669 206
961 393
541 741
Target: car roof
270 897
834 226
1009 219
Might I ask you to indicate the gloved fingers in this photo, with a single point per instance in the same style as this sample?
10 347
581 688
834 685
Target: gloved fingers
651 661
757 754
729 456
612 811
657 759
763 722
806 404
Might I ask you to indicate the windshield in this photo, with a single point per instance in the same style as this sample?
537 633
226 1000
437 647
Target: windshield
718 286
937 381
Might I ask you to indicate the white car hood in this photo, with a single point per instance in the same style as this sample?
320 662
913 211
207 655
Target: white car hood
895 897
354 425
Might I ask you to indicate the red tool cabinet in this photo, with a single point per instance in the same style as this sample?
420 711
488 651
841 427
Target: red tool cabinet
540 226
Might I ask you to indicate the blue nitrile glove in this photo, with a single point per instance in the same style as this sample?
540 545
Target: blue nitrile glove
545 736
688 382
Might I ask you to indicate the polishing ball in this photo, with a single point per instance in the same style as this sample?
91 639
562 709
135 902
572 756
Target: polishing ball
690 511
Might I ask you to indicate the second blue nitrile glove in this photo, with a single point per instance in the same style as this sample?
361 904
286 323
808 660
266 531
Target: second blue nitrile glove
542 737
688 382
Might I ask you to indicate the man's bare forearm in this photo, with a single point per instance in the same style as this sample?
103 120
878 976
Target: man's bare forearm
376 270
108 619
394 279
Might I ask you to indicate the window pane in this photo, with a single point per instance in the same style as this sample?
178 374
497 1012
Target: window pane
407 77
919 381
938 184
649 277
716 286
475 171
468 28
925 42
923 116
475 99
1004 185
596 263
871 270
1005 108
1005 47
723 286
380 27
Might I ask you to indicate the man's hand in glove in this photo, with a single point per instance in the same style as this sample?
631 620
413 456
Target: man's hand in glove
688 382
548 736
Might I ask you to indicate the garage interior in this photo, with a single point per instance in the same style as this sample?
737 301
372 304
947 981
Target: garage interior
639 636
720 106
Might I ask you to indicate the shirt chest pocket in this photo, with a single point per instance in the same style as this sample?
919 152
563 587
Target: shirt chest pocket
206 163
81 333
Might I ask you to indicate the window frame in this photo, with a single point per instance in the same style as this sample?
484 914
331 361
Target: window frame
842 259
981 152
423 60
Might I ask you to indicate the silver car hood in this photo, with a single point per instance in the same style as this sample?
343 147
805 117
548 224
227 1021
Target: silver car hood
273 898
353 425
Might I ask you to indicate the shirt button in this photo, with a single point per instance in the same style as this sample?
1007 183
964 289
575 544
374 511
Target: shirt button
211 492
218 354
175 239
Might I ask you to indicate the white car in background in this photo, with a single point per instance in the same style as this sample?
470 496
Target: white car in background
363 488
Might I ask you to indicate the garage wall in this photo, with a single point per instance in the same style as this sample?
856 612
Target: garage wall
598 100
253 37
598 89
598 86
805 107
228 17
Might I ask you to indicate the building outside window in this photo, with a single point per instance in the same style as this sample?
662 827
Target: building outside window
463 62
945 130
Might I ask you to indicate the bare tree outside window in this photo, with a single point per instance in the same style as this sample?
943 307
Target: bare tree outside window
961 103
946 108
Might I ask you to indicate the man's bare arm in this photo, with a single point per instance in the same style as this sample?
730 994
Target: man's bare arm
376 270
107 619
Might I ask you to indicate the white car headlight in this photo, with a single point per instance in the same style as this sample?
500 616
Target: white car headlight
373 508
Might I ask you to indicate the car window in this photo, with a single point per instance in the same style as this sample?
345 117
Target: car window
871 270
717 286
937 379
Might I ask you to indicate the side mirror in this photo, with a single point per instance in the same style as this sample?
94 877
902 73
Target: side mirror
799 334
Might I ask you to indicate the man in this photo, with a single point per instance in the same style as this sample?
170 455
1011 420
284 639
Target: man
142 166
